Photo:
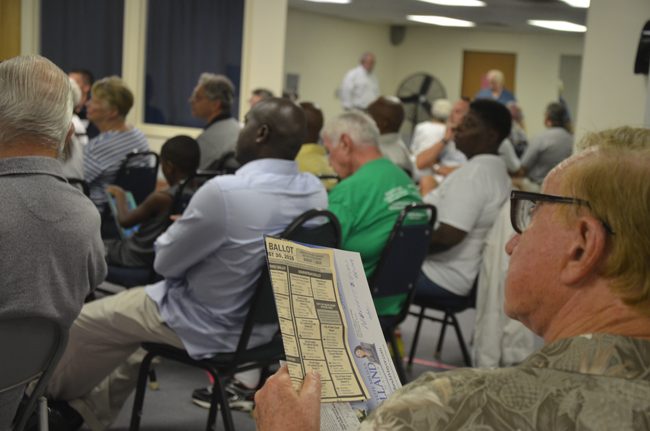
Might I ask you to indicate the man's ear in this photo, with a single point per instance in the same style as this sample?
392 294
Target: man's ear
345 143
262 133
588 247
68 136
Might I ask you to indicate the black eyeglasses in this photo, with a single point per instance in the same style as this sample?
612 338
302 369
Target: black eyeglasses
523 205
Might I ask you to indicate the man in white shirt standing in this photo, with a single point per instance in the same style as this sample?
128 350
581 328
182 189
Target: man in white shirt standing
360 87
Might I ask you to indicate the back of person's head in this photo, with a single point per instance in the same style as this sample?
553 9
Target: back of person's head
35 101
86 76
494 114
557 115
183 152
275 128
358 126
615 179
218 87
388 114
114 91
441 109
314 117
262 93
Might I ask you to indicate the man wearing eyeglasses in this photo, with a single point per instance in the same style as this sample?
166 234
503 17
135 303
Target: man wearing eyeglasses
578 277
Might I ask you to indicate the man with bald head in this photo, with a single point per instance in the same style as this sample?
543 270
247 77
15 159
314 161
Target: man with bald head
211 259
388 114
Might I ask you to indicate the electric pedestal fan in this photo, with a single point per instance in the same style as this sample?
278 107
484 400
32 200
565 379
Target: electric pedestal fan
417 93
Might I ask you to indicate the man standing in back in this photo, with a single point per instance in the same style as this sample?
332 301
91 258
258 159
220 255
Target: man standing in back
360 86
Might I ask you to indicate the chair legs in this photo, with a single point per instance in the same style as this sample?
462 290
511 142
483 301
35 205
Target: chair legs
414 344
138 401
397 358
448 319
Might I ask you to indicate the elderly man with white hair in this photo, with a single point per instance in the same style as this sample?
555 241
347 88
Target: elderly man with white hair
360 86
51 254
371 194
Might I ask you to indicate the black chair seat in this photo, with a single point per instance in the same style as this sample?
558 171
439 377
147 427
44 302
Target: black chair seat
131 277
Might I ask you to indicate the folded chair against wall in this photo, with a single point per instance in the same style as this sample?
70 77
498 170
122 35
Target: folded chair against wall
449 311
399 267
317 227
31 348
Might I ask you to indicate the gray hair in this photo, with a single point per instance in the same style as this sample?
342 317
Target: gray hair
495 75
441 109
360 127
218 87
35 100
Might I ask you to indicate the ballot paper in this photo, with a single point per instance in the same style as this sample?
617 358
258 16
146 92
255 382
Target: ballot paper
329 324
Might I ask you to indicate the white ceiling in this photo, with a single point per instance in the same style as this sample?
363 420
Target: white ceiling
501 15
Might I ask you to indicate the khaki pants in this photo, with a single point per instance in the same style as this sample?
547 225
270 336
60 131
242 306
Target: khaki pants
99 368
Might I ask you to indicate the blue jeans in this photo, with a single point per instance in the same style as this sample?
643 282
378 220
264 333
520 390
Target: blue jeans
430 294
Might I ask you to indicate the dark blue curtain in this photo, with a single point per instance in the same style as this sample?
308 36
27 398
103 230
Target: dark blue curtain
83 34
184 39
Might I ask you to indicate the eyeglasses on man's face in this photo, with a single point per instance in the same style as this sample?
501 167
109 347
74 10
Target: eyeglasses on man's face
524 204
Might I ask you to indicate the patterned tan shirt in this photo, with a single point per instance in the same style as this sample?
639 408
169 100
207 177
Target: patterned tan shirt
590 382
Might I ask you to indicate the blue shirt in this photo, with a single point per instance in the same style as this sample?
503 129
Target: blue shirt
504 97
212 256
103 156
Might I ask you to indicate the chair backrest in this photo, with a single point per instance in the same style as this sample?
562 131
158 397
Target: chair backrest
32 346
188 187
404 253
227 164
315 227
138 174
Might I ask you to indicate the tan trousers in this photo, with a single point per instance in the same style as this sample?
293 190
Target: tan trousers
99 368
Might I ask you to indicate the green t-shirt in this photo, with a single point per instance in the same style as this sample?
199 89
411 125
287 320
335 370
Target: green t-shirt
367 205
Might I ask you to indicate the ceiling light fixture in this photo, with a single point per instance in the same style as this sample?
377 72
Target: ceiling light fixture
577 3
440 20
466 3
558 25
331 1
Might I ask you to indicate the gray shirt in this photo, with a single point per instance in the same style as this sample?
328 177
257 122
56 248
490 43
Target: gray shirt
216 140
51 253
394 149
545 151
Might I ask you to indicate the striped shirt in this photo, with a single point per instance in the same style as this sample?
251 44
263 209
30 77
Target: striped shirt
103 156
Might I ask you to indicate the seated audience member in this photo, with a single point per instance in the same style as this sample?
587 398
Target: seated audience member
104 154
578 277
495 89
548 148
440 158
371 194
258 95
428 133
51 252
468 202
518 133
72 155
312 156
85 80
388 114
211 102
179 158
211 259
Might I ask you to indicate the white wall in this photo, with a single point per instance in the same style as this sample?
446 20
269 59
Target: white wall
610 94
321 49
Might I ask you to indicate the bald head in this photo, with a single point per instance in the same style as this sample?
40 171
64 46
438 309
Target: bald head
275 128
314 117
388 113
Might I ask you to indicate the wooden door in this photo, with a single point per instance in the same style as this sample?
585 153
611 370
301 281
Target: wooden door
477 63
9 29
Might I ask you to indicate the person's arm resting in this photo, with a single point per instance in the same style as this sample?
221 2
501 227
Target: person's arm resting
152 205
445 237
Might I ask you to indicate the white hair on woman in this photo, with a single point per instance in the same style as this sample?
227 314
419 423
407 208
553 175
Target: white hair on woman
441 109
35 101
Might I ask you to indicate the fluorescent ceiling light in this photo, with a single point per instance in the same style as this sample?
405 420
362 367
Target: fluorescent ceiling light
331 1
440 20
558 25
469 3
577 3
